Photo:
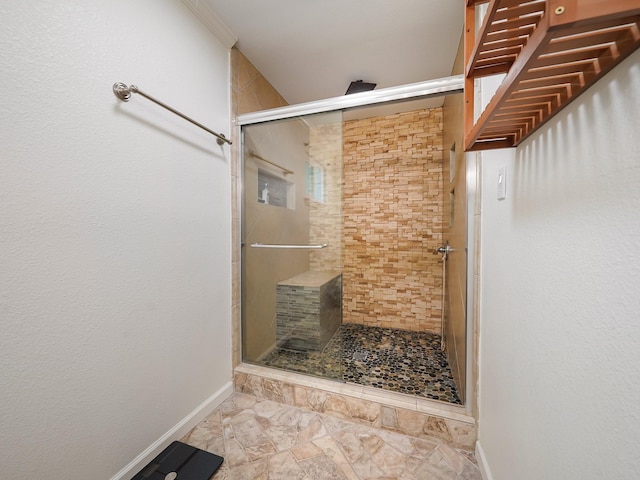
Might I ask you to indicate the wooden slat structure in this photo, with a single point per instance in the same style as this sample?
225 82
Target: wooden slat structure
550 50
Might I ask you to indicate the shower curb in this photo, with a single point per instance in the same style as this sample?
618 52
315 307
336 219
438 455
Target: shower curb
396 412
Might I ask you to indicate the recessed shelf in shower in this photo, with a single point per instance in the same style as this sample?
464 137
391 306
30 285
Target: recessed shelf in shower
274 190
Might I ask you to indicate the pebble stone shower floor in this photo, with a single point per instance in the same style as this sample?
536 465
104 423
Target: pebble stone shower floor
390 359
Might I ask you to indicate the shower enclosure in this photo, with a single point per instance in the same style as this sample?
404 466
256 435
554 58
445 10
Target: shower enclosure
343 212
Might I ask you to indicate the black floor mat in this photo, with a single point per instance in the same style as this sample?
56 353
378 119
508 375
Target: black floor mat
180 461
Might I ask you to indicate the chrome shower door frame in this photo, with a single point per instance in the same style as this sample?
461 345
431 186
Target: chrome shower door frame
416 91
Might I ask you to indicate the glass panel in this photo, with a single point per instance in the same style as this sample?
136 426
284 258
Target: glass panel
366 308
292 255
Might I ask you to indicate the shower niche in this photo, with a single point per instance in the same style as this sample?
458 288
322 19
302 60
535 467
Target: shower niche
275 190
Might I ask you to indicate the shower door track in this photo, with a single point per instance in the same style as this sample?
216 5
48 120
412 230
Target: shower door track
413 91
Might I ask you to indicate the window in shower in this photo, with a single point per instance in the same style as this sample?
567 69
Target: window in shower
315 182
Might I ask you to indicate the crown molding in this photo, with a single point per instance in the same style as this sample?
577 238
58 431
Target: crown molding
206 15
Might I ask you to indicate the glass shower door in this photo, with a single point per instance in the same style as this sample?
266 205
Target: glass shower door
292 247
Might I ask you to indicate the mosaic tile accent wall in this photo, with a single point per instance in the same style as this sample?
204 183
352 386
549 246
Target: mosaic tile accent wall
393 220
308 310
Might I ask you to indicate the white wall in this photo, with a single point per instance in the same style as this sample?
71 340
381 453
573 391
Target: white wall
560 337
114 232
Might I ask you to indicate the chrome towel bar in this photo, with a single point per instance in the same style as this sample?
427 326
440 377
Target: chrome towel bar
123 92
267 245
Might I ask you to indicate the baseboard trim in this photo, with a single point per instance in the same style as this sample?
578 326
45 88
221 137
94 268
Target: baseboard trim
485 471
176 432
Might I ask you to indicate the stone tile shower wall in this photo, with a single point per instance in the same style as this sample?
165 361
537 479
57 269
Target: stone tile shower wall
393 220
325 218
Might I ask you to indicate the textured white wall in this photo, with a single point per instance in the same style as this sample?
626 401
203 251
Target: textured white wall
560 338
114 232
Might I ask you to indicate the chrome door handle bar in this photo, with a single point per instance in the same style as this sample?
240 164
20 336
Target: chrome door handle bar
268 245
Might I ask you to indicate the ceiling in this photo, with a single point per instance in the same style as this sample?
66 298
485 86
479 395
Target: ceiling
312 49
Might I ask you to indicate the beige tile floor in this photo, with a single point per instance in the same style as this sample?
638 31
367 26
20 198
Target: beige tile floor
264 440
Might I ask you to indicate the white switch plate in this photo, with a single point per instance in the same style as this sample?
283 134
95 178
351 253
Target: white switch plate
502 183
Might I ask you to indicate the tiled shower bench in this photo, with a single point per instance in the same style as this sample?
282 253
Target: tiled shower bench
308 310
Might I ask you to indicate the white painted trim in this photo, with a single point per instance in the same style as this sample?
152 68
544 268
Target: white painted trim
213 22
473 193
412 91
176 432
485 471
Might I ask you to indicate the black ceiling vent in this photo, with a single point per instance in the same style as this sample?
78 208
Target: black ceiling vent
360 86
